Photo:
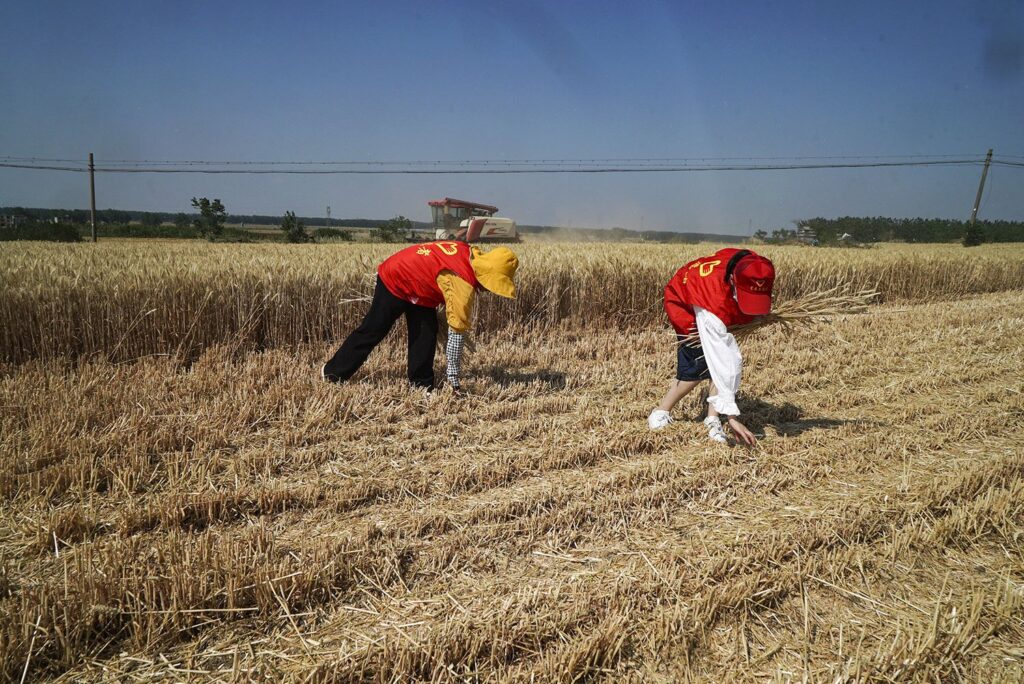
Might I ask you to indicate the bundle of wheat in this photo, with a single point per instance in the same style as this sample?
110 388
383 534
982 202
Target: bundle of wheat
811 308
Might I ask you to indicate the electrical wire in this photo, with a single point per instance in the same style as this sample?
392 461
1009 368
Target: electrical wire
534 170
633 161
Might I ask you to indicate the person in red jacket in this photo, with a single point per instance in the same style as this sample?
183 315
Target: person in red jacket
707 296
413 282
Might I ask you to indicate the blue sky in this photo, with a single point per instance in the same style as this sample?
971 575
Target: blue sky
513 80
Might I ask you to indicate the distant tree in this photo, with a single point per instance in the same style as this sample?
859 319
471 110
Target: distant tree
761 234
41 230
79 216
210 223
149 219
973 236
323 234
782 235
393 230
113 216
293 229
181 221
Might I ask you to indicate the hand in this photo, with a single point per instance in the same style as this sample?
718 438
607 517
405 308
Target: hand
743 435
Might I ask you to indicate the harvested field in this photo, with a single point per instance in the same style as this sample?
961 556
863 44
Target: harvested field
223 515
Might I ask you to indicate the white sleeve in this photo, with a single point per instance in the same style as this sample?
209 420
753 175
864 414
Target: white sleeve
723 358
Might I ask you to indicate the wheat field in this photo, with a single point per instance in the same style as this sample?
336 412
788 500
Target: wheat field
123 300
194 505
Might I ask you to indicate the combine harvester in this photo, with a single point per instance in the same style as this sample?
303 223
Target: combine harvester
460 220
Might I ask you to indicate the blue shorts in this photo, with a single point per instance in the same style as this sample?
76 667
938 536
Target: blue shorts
692 364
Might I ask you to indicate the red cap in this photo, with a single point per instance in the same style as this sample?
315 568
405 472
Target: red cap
754 277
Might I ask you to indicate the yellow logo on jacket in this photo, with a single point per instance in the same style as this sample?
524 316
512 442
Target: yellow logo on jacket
705 267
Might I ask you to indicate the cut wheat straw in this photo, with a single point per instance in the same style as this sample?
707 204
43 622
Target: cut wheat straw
233 518
815 307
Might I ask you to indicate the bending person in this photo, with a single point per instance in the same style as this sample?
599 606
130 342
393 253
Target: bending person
707 296
413 282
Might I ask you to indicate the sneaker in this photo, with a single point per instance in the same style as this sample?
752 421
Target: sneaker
715 431
659 419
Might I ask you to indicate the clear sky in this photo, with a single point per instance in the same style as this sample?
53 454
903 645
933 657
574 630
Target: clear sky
264 80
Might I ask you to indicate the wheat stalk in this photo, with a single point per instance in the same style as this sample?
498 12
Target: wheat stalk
125 300
814 307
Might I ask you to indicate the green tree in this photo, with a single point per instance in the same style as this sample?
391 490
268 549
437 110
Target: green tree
181 221
974 235
294 230
782 236
150 220
41 230
324 234
393 230
210 223
113 216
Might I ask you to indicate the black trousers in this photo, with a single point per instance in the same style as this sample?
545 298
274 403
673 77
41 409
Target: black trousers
384 311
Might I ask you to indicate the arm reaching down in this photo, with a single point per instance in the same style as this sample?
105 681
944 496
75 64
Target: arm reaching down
458 306
724 360
453 350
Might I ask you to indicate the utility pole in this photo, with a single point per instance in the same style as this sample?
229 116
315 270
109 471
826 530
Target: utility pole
92 197
981 188
328 215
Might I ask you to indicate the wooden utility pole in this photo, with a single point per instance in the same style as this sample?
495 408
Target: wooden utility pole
981 188
92 197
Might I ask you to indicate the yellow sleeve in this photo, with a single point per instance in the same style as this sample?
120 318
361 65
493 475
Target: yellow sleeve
458 300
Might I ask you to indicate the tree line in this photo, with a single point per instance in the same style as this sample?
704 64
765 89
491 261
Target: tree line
208 221
115 223
181 219
882 229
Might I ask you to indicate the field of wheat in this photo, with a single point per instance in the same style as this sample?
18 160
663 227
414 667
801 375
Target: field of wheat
181 498
130 299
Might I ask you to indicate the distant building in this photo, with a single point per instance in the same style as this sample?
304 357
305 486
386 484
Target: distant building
807 234
10 221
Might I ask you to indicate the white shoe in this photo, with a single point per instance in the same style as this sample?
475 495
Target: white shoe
715 431
659 419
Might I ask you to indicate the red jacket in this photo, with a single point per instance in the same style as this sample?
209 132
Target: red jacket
702 283
411 274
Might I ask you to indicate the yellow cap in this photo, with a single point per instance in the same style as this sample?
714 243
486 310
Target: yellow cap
495 269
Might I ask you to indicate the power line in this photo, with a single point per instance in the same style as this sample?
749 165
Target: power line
44 168
485 162
40 159
534 170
